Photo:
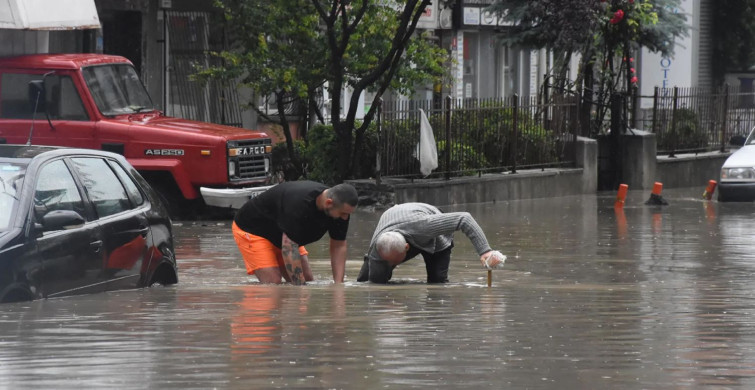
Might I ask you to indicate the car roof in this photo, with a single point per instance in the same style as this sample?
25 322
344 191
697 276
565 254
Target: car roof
60 61
31 151
24 151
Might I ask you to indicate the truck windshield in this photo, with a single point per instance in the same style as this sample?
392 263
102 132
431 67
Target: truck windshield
11 177
117 90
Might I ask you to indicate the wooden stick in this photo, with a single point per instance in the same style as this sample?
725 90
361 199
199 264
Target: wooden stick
490 278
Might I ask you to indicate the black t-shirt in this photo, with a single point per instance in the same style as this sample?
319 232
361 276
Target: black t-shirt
290 208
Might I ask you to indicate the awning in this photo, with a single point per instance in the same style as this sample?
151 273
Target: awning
48 14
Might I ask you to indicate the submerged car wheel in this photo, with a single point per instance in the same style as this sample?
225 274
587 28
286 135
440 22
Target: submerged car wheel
164 275
16 294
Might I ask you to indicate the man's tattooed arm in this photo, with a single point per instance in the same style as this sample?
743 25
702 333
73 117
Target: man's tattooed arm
292 260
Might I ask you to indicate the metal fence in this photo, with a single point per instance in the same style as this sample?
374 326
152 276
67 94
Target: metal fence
695 119
475 136
190 35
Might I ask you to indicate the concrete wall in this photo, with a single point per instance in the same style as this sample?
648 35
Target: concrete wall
642 166
525 184
494 187
642 170
638 154
690 170
587 159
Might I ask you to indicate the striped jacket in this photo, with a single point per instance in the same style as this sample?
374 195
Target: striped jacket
426 228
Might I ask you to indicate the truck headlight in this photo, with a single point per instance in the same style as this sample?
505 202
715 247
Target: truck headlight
231 169
738 173
267 165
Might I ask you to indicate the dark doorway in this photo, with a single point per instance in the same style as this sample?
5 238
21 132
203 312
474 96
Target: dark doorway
122 35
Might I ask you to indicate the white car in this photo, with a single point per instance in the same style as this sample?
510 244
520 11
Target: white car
737 181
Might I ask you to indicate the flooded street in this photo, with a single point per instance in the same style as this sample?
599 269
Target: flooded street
648 297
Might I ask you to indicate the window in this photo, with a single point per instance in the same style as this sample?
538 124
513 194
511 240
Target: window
56 190
18 100
11 180
117 90
64 100
131 187
104 189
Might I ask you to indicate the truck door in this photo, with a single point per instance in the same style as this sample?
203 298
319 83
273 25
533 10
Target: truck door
24 111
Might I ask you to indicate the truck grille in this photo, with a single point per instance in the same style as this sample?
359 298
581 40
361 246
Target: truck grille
251 159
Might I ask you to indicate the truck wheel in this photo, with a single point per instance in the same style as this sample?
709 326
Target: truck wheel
171 196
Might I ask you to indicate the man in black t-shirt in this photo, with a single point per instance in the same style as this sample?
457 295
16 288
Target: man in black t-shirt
272 228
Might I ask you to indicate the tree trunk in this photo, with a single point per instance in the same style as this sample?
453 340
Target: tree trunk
291 170
587 95
344 139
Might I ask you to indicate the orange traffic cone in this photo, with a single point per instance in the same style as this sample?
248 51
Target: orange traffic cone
621 195
655 196
708 194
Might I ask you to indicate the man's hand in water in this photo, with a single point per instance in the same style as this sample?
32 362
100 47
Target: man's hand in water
492 259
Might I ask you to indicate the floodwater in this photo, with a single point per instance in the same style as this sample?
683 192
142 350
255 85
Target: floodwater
649 297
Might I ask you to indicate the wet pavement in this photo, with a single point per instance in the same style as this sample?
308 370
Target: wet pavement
649 297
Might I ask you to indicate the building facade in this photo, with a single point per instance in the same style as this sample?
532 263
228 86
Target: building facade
164 38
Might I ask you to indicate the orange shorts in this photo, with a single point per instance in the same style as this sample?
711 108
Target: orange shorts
258 252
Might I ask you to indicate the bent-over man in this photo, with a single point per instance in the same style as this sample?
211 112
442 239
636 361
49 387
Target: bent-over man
271 229
409 229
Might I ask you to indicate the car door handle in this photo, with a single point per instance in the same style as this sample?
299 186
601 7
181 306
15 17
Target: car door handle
144 230
96 246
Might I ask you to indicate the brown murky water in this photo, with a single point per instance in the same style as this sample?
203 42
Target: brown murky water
650 297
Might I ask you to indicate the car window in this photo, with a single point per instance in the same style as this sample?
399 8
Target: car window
105 190
11 179
18 100
131 187
56 190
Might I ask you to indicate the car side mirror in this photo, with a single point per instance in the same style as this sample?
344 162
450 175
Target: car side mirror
61 219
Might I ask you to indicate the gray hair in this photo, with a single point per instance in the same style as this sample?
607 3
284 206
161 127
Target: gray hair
390 242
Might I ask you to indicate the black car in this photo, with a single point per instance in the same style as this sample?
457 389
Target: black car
76 221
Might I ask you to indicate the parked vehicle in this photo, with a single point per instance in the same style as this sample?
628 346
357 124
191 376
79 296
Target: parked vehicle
76 221
737 181
97 101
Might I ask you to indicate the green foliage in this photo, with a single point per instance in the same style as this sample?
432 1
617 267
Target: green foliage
464 158
365 166
285 167
685 135
605 34
481 137
402 136
292 48
321 154
491 126
275 46
578 25
733 37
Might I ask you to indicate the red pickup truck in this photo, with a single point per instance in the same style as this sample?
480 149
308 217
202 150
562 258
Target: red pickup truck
97 101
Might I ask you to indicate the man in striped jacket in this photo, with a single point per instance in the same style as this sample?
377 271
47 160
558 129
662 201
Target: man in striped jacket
408 229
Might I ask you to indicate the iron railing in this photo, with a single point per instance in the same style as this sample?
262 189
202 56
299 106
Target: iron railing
191 36
689 120
476 136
